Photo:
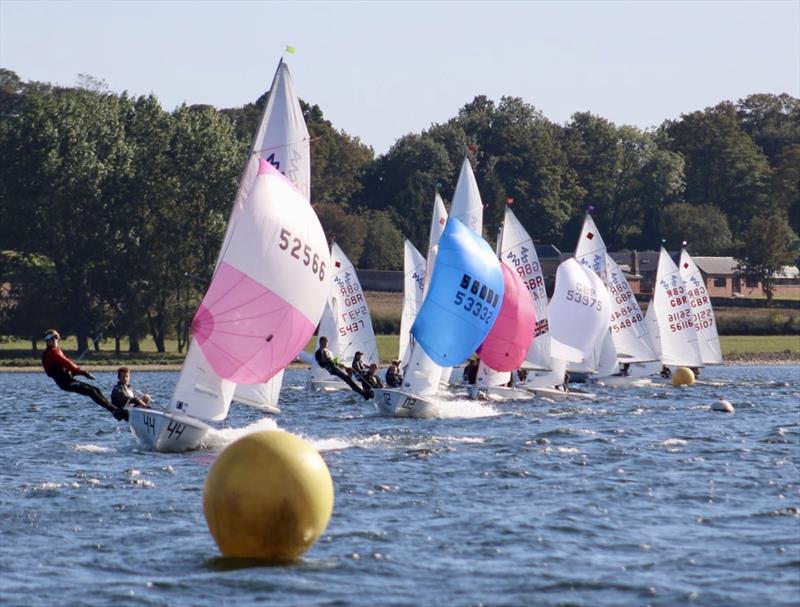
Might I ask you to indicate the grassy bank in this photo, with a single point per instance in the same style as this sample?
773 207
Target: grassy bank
18 354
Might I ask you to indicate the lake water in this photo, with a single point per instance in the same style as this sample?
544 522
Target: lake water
644 497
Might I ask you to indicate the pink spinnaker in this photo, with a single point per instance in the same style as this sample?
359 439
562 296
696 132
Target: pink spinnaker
247 332
506 345
256 315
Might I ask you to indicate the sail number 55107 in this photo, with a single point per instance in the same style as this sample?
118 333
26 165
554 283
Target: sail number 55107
302 253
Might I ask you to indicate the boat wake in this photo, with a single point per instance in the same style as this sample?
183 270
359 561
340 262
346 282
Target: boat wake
463 408
221 438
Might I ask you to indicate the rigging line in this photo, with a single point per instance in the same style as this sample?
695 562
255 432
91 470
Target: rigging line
260 151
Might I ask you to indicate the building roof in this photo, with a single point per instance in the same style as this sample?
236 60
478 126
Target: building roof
719 266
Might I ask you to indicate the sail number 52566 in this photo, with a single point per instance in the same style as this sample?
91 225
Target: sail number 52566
302 253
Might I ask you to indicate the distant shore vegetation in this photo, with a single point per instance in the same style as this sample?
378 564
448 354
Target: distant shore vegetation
113 209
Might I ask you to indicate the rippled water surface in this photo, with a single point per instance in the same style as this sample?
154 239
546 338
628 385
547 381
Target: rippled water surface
643 497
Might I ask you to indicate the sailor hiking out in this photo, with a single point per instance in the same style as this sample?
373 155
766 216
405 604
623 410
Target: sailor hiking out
63 371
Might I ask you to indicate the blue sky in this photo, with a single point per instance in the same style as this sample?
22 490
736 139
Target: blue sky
380 70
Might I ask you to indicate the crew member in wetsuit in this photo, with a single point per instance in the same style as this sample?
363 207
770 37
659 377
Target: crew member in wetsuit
325 359
62 370
358 366
394 377
370 380
124 394
470 374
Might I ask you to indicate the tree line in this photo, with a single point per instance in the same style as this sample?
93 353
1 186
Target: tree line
112 208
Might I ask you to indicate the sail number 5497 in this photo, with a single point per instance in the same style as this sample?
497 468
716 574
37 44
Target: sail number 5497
302 252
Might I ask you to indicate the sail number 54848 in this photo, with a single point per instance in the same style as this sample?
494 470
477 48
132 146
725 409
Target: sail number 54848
302 252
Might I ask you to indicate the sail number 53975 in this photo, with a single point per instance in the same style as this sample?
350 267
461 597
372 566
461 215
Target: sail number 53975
302 252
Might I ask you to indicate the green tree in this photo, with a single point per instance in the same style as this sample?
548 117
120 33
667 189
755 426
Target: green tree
771 121
627 177
404 181
768 245
785 186
383 245
703 226
348 230
62 157
199 178
723 165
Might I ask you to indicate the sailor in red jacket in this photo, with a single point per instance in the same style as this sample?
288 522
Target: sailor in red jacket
62 369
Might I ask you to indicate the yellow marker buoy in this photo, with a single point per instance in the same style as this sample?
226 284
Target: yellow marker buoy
683 376
269 495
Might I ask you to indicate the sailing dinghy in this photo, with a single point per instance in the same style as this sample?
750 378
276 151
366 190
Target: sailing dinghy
459 310
260 310
673 331
346 323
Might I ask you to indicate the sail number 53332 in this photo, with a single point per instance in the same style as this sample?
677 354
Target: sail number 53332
302 252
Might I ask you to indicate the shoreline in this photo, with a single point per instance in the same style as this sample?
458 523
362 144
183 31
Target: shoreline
779 359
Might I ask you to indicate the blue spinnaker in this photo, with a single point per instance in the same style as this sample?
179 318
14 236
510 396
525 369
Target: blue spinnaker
463 299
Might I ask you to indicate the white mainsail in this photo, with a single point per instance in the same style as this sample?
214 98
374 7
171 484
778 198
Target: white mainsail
519 252
345 321
628 327
677 335
702 313
281 138
353 322
414 265
591 253
467 206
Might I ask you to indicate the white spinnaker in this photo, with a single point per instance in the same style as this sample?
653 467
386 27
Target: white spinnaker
519 252
281 245
414 266
703 315
677 335
628 327
578 312
353 322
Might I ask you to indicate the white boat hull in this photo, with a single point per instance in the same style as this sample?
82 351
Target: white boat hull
554 394
166 432
394 403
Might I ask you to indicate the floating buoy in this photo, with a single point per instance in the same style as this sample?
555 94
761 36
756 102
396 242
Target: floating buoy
722 405
682 376
269 496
